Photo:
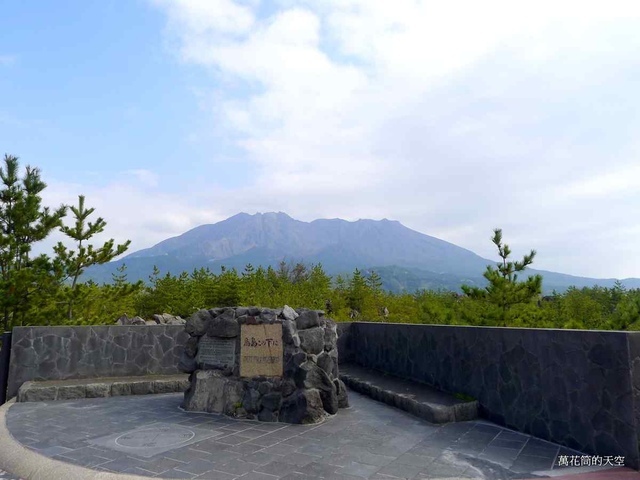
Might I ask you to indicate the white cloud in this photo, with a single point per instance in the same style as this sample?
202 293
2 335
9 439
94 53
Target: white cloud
609 183
158 215
452 117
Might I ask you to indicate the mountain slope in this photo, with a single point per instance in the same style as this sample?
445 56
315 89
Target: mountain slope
406 260
333 242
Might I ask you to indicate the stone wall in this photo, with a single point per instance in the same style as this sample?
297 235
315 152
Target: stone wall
276 365
59 353
577 388
344 342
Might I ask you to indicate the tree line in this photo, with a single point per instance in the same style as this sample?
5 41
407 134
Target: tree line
48 290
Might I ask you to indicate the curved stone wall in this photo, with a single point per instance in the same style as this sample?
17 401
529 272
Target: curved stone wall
574 387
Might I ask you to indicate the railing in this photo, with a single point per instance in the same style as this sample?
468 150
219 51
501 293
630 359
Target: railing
5 355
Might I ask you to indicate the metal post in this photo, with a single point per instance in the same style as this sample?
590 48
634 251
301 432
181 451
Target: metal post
5 355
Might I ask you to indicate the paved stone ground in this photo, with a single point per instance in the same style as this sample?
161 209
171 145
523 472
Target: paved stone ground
370 440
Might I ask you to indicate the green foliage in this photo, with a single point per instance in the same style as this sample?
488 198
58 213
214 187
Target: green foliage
504 291
74 262
45 290
35 290
23 222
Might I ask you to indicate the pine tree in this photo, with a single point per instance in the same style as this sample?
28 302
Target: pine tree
75 262
23 222
357 292
504 291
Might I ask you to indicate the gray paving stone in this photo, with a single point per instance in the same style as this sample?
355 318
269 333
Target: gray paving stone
297 476
416 460
120 464
316 449
498 456
176 474
298 441
368 440
196 467
276 468
187 455
504 443
358 469
278 449
319 470
162 464
232 439
246 449
259 458
52 451
236 467
257 476
443 469
266 441
251 433
299 459
527 463
210 445
345 476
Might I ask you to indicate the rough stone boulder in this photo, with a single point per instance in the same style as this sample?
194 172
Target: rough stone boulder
303 406
167 319
124 320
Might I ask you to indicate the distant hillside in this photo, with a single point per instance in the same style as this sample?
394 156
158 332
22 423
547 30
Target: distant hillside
405 259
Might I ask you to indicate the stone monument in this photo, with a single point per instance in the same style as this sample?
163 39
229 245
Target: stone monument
276 365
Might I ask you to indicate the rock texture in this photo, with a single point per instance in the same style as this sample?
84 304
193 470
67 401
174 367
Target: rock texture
309 388
156 319
60 353
577 388
100 387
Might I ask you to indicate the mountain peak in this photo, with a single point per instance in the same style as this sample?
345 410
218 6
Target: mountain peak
339 245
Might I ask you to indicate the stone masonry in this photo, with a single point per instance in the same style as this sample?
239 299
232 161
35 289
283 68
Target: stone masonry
306 388
62 353
578 388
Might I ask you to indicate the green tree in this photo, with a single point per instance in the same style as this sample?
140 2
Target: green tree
229 289
75 262
23 222
504 291
357 292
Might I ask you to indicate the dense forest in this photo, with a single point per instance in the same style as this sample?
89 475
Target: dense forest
46 289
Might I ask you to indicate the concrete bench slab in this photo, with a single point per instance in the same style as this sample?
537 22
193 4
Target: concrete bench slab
416 398
38 391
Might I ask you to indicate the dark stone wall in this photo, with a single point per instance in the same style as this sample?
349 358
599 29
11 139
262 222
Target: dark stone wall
577 388
58 353
634 362
345 351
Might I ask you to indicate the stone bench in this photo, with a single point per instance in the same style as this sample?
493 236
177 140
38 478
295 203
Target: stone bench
37 391
416 398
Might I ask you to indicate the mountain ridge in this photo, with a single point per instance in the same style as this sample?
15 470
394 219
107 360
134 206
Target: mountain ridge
339 245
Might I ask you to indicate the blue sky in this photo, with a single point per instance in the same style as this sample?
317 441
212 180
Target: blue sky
451 117
90 89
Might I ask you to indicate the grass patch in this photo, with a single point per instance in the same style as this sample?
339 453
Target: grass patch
464 397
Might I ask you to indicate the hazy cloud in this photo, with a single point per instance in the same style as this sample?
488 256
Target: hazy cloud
451 117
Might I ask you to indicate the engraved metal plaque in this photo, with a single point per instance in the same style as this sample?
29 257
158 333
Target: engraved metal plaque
261 350
219 352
